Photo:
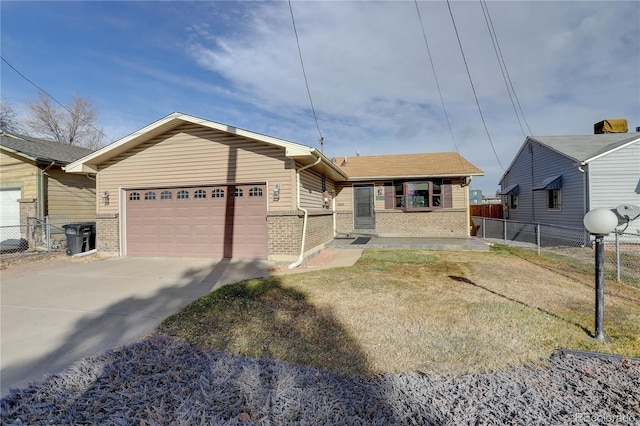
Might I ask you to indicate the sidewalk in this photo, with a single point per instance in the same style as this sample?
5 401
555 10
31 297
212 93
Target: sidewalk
325 259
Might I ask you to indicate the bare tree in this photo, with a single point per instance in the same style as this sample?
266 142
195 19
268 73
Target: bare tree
8 119
75 124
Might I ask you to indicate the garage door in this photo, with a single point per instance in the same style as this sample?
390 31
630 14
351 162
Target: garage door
10 216
209 221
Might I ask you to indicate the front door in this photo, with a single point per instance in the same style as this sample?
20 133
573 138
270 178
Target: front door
363 207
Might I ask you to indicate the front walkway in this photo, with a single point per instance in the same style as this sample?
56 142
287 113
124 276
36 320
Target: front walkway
451 244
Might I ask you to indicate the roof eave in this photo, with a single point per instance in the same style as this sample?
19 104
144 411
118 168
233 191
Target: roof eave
18 153
435 175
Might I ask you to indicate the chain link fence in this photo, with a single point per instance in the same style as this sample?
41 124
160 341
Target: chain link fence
35 234
622 250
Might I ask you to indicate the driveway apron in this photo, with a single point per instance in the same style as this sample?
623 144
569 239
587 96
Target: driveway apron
56 316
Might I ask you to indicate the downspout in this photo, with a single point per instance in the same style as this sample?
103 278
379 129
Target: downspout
305 211
584 187
41 193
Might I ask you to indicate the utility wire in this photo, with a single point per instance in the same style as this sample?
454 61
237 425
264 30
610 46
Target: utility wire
503 68
472 86
52 97
306 82
435 75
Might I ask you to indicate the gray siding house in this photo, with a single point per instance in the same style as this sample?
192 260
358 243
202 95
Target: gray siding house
557 179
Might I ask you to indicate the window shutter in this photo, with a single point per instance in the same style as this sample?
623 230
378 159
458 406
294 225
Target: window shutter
389 196
447 198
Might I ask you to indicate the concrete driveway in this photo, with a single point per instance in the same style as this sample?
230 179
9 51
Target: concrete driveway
56 313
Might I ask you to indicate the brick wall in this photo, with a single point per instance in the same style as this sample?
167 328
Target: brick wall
344 223
319 229
107 233
439 223
396 223
284 231
28 208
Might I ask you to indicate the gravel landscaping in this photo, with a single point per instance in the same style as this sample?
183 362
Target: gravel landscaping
162 380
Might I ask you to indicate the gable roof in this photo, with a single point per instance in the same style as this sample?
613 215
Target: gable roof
357 168
580 148
36 149
441 164
587 148
301 153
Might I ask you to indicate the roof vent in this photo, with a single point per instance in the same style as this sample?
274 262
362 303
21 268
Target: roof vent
611 125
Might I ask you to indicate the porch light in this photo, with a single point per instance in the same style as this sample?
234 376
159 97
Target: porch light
600 222
105 198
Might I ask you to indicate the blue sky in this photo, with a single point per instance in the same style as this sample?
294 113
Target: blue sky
571 63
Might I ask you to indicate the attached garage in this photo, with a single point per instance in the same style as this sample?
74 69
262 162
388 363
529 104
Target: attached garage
188 187
218 221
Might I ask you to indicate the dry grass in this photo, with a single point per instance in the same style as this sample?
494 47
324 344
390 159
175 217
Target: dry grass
410 310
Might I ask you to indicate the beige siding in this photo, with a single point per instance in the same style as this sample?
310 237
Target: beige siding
71 195
16 172
344 197
311 189
459 195
194 155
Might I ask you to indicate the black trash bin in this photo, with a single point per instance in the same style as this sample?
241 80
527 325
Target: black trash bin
81 237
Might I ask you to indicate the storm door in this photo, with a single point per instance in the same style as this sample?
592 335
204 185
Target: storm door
363 217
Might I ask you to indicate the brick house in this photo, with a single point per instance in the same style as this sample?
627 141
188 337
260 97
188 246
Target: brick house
189 187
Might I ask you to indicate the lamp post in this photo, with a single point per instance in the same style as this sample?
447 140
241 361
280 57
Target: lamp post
600 222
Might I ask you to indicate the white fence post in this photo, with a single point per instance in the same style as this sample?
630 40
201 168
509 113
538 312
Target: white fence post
505 231
538 237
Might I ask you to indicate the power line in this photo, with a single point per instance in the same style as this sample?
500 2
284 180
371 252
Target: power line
54 99
475 95
306 82
503 68
435 75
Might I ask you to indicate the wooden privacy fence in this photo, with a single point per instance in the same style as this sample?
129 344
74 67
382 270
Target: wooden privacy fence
487 210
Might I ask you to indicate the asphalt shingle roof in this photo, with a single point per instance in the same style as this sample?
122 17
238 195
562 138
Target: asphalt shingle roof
408 165
582 148
44 150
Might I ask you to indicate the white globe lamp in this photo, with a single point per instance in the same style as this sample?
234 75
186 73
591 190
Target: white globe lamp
600 221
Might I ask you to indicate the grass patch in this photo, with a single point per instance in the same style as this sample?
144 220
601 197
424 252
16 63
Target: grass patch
411 257
413 310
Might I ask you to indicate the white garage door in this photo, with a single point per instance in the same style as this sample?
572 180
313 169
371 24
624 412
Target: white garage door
10 215
209 221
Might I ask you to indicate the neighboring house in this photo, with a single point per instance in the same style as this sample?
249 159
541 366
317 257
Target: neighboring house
34 184
557 179
475 196
189 187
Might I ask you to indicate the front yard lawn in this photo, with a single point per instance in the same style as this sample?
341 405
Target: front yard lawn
412 310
